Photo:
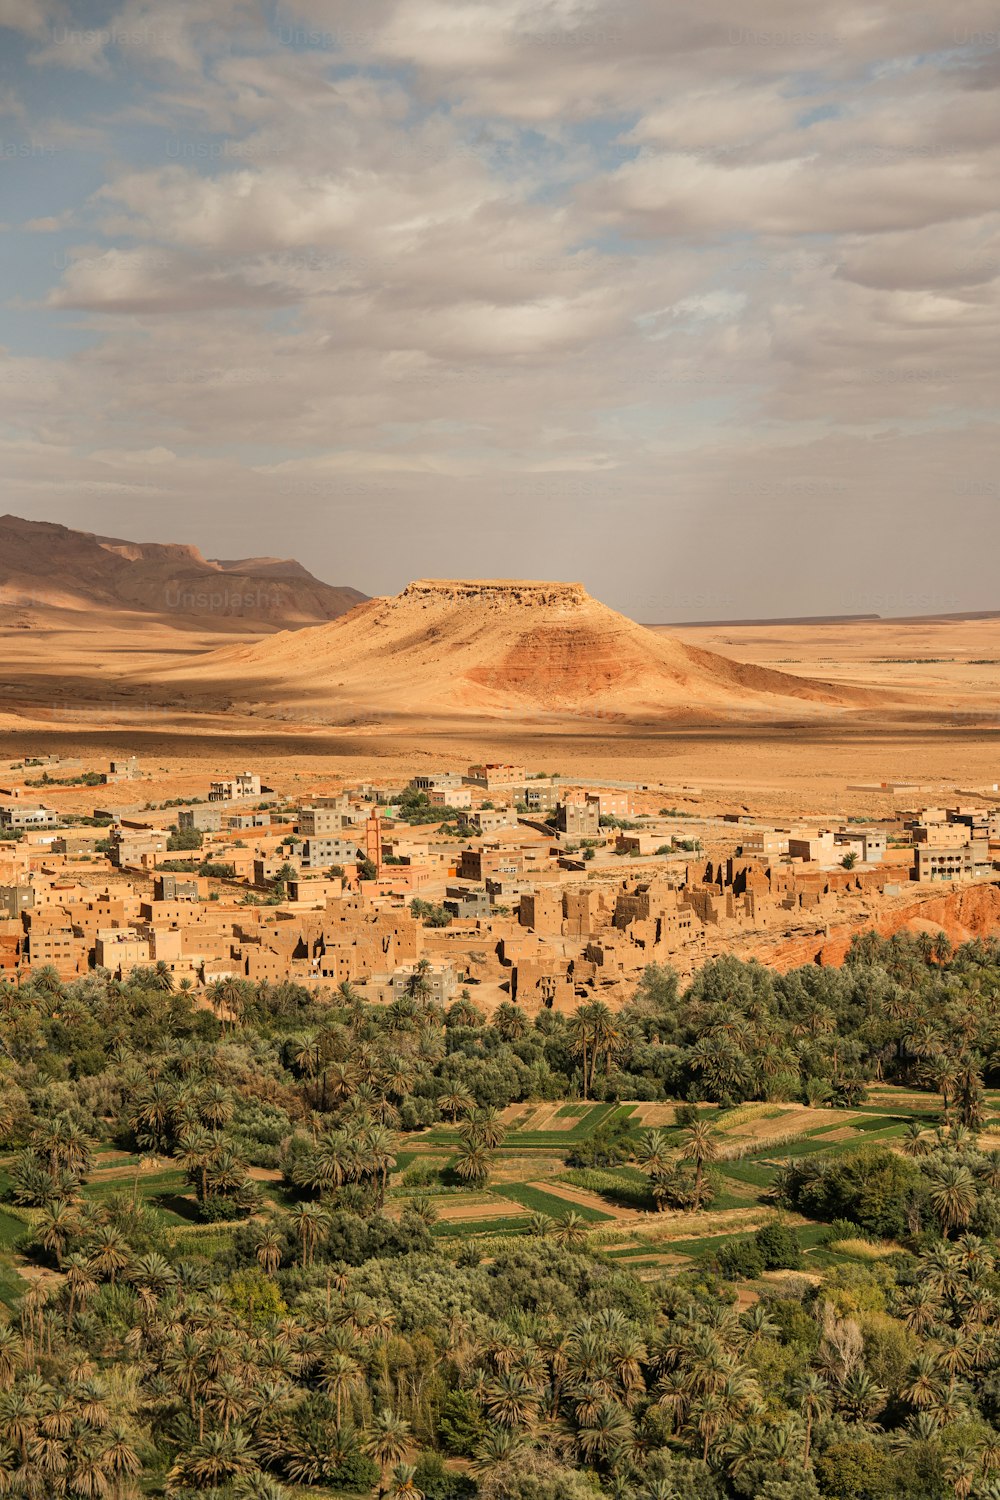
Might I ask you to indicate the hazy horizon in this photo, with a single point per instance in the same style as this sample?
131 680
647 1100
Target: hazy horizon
698 310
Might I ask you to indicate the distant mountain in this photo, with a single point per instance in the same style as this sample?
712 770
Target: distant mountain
43 564
501 648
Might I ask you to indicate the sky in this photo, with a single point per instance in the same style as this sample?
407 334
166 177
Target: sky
696 303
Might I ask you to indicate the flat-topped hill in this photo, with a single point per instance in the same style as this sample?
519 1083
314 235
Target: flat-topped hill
494 648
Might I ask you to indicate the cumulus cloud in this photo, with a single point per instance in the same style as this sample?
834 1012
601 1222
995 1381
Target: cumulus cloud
733 279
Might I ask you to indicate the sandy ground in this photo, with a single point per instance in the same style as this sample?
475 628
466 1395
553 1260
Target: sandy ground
80 693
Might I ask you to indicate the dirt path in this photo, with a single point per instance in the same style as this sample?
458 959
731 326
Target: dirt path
585 1199
500 1208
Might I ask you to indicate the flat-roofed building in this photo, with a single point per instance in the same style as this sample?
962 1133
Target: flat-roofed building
494 774
932 863
28 817
321 853
235 788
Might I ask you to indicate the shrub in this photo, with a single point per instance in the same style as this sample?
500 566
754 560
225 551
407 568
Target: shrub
435 1482
778 1247
461 1423
740 1260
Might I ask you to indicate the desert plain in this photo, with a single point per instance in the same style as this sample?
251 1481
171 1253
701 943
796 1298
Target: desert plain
94 684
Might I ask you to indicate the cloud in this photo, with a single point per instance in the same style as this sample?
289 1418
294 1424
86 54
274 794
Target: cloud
727 278
30 17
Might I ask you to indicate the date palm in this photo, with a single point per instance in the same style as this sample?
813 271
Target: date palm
376 1150
197 1150
403 1485
109 1252
509 1021
341 1376
510 1400
217 1459
570 1231
860 1397
607 1438
387 1441
472 1163
653 1152
495 1449
700 1146
923 1383
455 1101
953 1196
226 1399
57 1225
812 1395
81 1283
485 1127
308 1221
215 1105
268 1248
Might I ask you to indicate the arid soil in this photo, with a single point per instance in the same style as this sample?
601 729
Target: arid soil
92 686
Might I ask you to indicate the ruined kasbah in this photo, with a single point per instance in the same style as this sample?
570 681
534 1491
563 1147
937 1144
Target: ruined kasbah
493 879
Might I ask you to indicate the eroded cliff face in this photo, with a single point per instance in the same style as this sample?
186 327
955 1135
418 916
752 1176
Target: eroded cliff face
44 564
498 593
966 913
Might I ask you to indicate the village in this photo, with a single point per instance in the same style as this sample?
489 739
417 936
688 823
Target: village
513 885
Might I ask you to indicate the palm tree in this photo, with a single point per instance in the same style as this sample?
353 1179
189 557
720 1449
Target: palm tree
403 1484
196 1152
376 1149
216 1459
119 1457
953 1196
485 1126
81 1283
570 1231
581 1037
609 1435
860 1397
57 1225
269 1246
388 1441
163 979
455 1101
109 1250
510 1400
341 1377
813 1397
652 1152
915 1142
509 1021
308 1221
472 1163
700 1147
215 1105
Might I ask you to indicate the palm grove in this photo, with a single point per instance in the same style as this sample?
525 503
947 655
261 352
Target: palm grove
310 1329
